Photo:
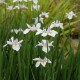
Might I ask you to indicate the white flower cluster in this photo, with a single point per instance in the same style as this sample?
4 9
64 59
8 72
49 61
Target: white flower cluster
17 7
21 0
36 27
45 44
16 30
41 18
34 6
2 2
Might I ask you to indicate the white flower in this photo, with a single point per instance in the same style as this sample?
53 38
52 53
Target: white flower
35 1
33 28
45 45
46 15
10 8
2 1
23 7
41 61
70 15
40 19
56 24
49 32
16 30
20 7
14 43
16 7
27 0
17 0
21 0
45 32
35 7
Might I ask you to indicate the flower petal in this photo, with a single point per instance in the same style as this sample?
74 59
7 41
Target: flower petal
51 26
17 47
36 59
12 39
53 33
28 26
44 34
5 45
39 31
49 61
26 31
20 41
43 63
38 25
35 1
9 42
44 48
50 44
37 64
40 44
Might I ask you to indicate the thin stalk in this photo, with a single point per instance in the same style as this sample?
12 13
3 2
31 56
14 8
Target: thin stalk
19 65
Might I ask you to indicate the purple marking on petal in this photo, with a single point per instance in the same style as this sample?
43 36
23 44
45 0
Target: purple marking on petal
44 43
15 41
33 28
48 30
57 22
